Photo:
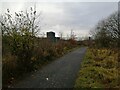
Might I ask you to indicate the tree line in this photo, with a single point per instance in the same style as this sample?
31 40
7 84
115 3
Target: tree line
107 32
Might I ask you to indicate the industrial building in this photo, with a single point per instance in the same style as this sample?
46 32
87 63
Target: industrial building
51 37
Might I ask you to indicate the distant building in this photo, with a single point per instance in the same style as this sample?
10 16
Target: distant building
51 37
57 39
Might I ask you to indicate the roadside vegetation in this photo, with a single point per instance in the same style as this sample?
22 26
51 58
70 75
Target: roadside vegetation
99 69
22 50
101 65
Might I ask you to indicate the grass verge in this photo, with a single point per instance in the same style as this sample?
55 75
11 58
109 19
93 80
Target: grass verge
99 69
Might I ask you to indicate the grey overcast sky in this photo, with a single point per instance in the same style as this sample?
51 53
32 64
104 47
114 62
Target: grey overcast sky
64 16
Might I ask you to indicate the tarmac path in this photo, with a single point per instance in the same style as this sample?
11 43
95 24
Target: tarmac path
60 73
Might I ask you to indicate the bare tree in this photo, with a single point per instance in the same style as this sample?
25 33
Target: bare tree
106 32
72 35
61 35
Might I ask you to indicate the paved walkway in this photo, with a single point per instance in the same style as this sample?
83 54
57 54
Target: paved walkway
60 73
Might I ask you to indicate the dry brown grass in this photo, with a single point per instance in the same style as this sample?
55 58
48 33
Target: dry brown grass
100 69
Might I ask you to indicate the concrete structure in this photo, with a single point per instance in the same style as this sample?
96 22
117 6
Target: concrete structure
57 39
51 37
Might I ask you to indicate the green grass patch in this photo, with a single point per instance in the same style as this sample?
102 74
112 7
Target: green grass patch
99 70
